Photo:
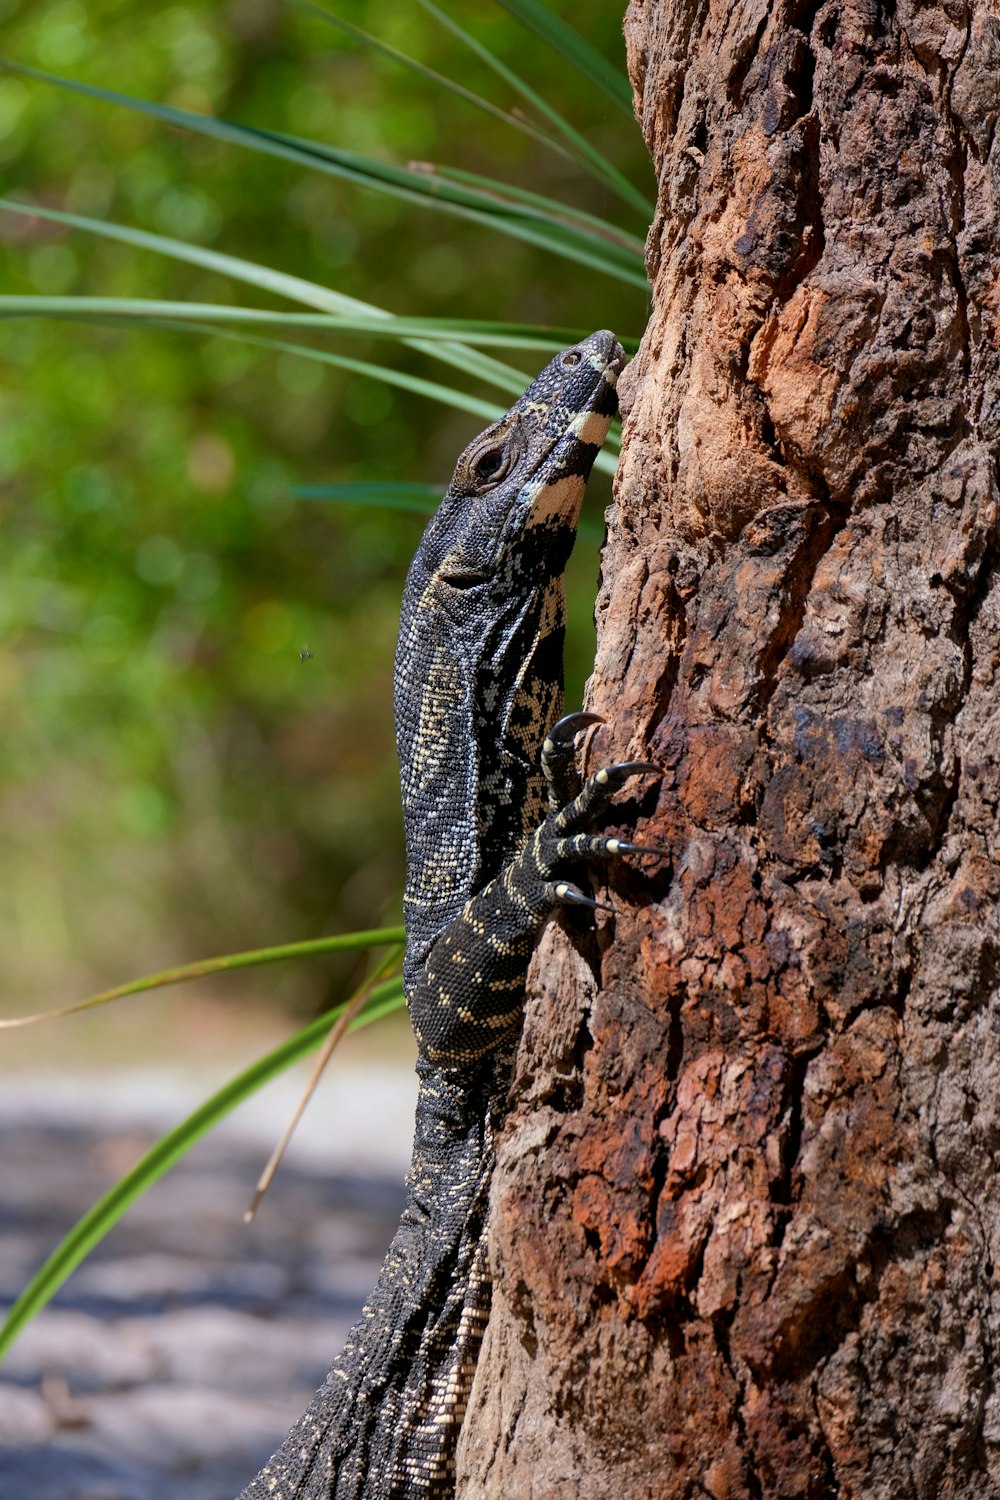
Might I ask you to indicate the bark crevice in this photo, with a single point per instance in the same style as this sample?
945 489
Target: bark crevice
756 1243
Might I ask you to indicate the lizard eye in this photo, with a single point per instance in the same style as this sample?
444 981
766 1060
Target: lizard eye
488 464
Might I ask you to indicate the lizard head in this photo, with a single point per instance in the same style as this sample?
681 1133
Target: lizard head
513 504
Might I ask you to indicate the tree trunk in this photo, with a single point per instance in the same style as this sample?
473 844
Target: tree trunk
746 1214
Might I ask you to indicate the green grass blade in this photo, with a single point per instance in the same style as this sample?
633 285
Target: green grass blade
344 942
446 394
451 396
417 499
544 222
384 177
550 207
535 227
574 49
295 288
587 155
606 462
105 1213
365 39
504 335
280 283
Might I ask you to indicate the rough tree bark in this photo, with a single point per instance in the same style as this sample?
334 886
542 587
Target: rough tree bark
746 1217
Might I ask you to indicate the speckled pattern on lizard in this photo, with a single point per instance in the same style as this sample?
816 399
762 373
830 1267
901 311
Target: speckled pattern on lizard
494 813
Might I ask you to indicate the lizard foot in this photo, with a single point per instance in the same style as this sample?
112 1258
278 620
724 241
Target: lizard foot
559 758
562 837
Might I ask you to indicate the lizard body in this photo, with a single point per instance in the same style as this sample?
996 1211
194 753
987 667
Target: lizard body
478 682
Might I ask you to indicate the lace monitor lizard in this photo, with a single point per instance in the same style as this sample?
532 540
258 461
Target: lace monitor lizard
478 682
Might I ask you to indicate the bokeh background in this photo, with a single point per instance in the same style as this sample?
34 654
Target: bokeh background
195 676
195 669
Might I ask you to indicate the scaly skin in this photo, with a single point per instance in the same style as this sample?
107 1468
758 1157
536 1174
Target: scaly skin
478 682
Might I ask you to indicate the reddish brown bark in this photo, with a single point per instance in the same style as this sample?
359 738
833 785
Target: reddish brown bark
747 1214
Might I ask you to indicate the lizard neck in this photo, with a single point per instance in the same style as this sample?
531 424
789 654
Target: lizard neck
472 686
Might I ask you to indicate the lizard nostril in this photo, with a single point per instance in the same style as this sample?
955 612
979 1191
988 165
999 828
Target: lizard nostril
570 358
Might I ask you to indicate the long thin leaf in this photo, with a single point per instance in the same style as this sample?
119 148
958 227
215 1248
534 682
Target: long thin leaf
572 46
336 1035
364 171
98 1220
544 222
562 212
504 335
446 394
374 44
606 462
543 228
417 499
574 49
137 310
295 288
344 942
598 163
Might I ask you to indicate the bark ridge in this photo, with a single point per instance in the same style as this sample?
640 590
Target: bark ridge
745 1214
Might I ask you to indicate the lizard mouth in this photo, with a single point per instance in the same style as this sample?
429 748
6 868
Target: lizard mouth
615 366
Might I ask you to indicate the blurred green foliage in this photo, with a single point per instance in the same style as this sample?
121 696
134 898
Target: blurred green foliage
195 668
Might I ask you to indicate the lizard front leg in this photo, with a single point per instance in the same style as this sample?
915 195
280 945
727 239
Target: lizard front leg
470 997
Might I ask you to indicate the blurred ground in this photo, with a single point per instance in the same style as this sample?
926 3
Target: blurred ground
175 1358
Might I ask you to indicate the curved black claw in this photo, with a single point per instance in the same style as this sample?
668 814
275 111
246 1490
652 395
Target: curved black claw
595 796
624 769
565 730
571 895
619 846
559 758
